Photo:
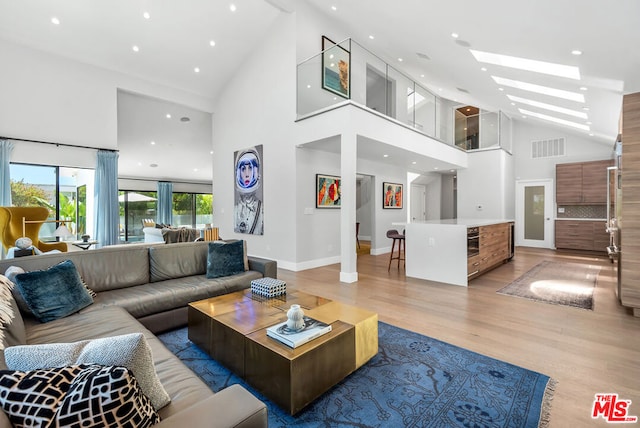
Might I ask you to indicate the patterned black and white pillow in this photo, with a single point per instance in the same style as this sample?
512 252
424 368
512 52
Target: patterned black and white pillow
105 396
31 398
76 396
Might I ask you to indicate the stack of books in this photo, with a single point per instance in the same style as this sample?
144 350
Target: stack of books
312 329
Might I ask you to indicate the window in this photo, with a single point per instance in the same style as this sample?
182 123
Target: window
58 189
134 207
189 210
192 209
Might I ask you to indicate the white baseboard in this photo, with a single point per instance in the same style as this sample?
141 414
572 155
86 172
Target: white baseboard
310 264
378 251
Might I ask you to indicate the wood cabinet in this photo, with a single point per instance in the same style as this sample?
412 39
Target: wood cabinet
629 220
587 235
582 183
494 249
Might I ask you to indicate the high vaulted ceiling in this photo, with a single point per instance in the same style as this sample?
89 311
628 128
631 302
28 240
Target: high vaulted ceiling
175 38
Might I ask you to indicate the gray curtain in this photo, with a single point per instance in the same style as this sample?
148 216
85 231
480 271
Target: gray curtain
6 150
107 209
165 202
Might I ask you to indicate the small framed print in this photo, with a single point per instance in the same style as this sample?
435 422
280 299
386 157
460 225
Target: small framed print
391 195
328 191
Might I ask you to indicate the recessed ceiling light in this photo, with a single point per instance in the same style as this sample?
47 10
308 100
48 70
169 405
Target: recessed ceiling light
168 116
484 69
335 98
232 7
414 162
372 37
211 152
195 169
55 21
513 104
585 108
139 163
334 8
440 89
555 119
146 15
385 156
546 106
135 48
545 90
197 69
436 168
400 59
588 123
212 43
501 89
543 67
455 35
153 143
308 86
591 134
331 56
584 88
576 52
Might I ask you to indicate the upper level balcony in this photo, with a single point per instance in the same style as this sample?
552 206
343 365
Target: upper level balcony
347 72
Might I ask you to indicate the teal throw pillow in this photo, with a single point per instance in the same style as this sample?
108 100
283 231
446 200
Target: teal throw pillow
53 293
224 259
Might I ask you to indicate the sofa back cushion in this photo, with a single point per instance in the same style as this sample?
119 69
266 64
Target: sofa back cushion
102 269
177 260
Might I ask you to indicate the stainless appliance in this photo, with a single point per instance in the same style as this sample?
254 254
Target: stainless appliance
473 241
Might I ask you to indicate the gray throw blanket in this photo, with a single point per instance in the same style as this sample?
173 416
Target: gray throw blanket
180 235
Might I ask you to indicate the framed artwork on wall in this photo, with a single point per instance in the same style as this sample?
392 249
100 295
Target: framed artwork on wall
248 210
336 68
328 191
391 195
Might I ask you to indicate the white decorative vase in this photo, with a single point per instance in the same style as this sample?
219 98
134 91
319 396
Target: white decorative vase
295 317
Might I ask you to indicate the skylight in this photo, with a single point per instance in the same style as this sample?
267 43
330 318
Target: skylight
551 68
546 106
555 119
545 90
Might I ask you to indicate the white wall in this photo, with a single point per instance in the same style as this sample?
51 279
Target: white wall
258 107
578 149
482 187
51 98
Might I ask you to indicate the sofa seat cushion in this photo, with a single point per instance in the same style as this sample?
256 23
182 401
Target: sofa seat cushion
182 385
166 295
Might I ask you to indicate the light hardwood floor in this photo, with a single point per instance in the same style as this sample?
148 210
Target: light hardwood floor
587 352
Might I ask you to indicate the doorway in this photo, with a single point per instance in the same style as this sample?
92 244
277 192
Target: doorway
364 213
534 213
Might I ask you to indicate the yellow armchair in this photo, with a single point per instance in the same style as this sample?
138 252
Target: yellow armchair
11 223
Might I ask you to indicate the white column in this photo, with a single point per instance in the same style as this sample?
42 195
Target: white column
348 164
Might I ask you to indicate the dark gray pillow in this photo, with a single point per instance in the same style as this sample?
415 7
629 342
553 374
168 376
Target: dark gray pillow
225 259
53 293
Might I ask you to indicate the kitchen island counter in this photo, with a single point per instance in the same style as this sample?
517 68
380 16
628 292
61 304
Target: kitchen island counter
437 250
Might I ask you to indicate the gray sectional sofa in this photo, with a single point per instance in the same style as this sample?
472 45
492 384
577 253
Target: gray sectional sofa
146 288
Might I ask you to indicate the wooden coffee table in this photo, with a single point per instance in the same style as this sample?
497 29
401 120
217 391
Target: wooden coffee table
232 330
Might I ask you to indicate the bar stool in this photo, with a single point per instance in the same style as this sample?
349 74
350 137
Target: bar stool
393 234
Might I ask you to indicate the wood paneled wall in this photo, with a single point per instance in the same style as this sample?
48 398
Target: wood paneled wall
630 218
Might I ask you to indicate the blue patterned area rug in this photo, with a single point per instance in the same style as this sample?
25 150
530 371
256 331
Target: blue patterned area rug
414 381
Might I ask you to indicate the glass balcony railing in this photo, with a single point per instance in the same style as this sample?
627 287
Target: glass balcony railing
349 73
